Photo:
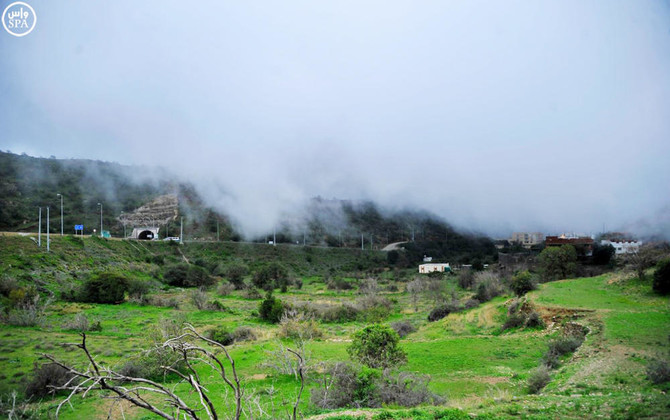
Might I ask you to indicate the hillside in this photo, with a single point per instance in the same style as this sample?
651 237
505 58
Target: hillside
476 369
128 195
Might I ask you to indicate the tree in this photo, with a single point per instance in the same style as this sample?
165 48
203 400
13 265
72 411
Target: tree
558 262
195 350
642 259
602 255
415 288
376 346
661 284
522 283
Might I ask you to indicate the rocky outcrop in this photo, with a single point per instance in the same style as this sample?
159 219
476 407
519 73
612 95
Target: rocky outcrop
158 212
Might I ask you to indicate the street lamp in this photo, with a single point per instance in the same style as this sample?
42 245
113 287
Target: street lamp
100 204
123 220
61 213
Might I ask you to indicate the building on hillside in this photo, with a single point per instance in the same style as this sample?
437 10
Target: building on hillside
583 244
623 246
434 267
527 239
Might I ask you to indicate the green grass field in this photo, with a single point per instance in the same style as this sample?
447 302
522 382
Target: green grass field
479 370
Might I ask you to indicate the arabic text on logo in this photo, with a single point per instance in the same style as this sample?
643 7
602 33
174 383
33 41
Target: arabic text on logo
19 18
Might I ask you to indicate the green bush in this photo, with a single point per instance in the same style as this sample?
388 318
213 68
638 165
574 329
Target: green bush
271 276
271 309
376 346
104 288
522 283
185 275
221 336
661 284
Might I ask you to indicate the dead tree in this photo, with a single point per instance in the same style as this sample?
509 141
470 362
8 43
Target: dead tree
135 390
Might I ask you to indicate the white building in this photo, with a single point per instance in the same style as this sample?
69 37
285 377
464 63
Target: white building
433 267
527 239
623 246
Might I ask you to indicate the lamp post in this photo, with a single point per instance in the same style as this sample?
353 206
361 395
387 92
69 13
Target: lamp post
100 204
48 241
123 220
61 213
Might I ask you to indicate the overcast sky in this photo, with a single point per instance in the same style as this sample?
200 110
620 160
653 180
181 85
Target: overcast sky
496 115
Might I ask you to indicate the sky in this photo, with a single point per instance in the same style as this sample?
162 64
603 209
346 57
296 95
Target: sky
505 116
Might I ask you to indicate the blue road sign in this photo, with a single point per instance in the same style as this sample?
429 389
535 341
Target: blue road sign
78 227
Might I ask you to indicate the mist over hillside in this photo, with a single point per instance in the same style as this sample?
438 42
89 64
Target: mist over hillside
28 183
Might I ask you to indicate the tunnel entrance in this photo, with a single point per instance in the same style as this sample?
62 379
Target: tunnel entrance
146 235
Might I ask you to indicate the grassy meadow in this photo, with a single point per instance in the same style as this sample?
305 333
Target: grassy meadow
479 370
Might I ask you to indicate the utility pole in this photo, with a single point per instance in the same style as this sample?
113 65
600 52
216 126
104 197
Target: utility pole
371 247
217 230
61 213
39 230
304 235
181 231
274 236
48 243
362 243
100 204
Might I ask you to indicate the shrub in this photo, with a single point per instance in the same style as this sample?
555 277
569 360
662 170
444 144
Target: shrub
199 299
225 289
471 303
185 275
271 276
514 321
346 312
522 283
438 313
298 326
403 328
81 323
565 345
28 314
271 309
658 371
534 320
406 389
488 286
44 378
661 284
244 333
221 336
538 379
235 275
252 293
466 279
175 275
104 288
376 346
198 277
346 386
137 289
338 283
443 310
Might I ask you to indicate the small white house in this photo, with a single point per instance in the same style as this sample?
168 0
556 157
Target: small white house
433 267
623 247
